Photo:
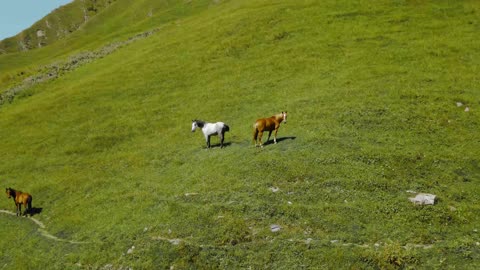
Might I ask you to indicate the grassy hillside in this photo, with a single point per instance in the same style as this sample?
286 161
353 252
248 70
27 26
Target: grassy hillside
377 96
118 23
55 26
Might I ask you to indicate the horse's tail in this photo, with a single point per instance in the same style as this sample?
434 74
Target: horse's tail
255 132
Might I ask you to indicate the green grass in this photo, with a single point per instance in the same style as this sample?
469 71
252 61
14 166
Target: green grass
371 90
118 22
55 26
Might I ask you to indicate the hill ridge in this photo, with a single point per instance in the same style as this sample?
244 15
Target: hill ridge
56 25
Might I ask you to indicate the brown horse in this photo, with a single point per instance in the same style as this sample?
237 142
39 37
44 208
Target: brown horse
268 124
20 198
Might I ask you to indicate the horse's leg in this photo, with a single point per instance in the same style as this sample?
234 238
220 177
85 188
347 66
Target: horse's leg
19 209
30 206
260 134
207 140
221 139
269 134
275 136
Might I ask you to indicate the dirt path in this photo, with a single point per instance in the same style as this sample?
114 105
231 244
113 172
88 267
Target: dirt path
176 241
42 229
308 241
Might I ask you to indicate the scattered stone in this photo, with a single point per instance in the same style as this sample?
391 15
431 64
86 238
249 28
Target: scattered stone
275 228
40 33
467 109
424 198
274 189
130 250
175 241
459 104
308 241
108 266
334 241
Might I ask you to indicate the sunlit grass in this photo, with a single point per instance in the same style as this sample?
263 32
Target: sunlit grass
371 91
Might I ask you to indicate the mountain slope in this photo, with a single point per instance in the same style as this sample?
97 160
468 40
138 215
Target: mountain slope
122 20
56 25
371 91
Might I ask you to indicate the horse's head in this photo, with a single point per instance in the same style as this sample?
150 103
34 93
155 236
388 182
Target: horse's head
10 192
194 125
197 124
284 115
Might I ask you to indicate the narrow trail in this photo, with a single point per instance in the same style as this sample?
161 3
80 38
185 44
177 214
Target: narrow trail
43 231
177 241
308 241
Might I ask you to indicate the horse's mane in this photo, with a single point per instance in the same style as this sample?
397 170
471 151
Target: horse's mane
200 123
12 192
278 115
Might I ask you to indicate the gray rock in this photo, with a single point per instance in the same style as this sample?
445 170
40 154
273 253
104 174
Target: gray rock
275 228
423 198
274 189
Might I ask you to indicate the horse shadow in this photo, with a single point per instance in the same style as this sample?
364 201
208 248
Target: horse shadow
35 211
280 139
218 145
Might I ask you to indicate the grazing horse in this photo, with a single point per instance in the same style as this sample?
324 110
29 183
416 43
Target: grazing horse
209 129
268 124
20 198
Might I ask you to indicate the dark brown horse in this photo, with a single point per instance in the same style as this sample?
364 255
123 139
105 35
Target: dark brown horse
268 124
20 198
